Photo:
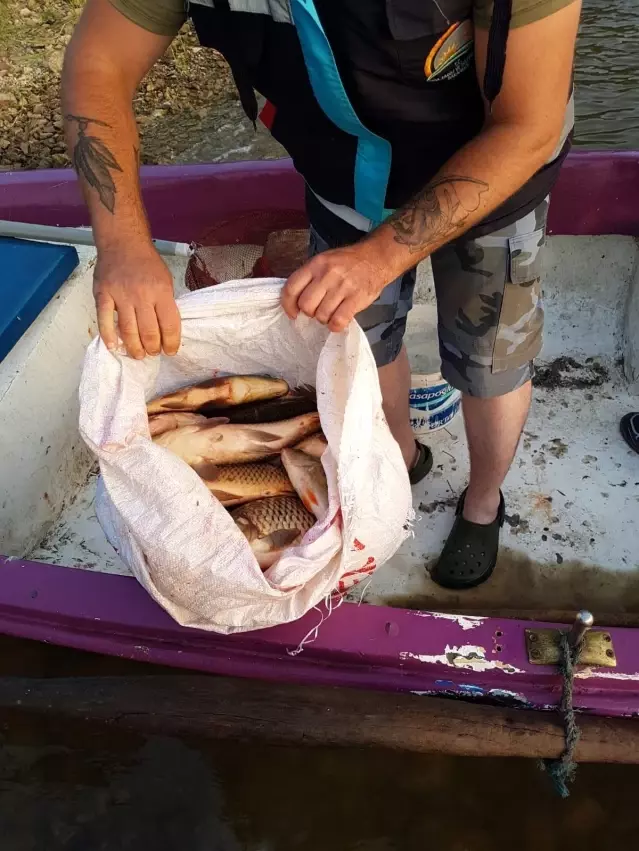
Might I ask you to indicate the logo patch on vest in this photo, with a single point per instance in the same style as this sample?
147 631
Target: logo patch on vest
452 54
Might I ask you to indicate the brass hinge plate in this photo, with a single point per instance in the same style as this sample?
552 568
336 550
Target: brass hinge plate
543 648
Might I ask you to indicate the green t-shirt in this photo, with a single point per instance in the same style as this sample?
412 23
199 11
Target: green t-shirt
165 17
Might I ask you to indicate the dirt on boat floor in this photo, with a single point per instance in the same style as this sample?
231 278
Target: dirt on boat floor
187 107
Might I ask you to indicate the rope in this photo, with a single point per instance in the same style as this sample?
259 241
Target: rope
562 770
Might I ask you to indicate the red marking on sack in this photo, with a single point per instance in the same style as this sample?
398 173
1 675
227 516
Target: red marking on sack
267 115
358 545
356 576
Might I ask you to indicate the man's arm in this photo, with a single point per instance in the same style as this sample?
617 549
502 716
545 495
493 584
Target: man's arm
518 138
105 61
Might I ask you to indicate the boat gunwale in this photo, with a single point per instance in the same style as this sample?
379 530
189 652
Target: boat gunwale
595 195
371 647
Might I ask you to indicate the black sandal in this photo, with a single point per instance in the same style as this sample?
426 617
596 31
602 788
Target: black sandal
422 467
470 553
629 427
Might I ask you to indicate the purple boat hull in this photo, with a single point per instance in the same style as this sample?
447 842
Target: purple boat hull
372 647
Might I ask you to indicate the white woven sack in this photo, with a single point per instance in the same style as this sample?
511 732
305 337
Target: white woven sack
177 539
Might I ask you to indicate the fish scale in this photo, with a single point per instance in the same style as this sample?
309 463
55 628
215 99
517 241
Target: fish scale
253 474
236 484
275 513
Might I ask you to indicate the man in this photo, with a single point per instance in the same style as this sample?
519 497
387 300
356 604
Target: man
410 148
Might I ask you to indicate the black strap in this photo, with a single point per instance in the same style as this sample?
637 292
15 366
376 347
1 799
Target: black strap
234 56
496 55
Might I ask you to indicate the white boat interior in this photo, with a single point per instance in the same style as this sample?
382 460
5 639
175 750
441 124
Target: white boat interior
571 539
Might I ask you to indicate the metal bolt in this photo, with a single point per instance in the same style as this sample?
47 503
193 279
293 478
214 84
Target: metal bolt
583 622
607 638
535 654
532 637
610 654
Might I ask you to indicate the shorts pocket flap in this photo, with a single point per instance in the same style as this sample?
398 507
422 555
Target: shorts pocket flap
525 256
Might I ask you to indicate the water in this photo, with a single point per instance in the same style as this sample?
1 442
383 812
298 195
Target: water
606 74
81 790
85 787
606 96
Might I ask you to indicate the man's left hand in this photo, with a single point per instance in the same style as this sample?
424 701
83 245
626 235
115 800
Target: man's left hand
336 285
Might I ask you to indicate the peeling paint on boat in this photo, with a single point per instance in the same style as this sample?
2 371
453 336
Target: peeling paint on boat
587 673
451 689
469 657
504 694
464 621
471 689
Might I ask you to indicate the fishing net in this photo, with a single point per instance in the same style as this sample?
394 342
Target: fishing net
271 244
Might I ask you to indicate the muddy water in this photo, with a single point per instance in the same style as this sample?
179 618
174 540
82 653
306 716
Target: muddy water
606 74
80 787
78 790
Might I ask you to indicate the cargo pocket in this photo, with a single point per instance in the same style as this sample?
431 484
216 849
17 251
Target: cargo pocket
521 319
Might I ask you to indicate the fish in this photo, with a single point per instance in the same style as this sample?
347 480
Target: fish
301 400
236 484
314 445
271 525
204 446
159 423
223 392
309 480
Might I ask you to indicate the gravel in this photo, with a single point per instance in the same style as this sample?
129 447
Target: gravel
175 105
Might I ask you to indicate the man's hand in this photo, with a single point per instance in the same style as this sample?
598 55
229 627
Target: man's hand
137 285
336 285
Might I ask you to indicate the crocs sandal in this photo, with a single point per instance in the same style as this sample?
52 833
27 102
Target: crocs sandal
629 427
470 553
422 467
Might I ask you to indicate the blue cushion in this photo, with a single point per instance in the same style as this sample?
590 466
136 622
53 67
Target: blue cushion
31 273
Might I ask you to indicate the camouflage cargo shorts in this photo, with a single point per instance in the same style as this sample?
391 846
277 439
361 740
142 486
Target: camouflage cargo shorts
489 305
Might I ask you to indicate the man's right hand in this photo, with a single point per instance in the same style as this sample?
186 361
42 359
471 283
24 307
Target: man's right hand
136 283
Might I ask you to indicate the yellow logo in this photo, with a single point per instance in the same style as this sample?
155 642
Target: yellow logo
452 54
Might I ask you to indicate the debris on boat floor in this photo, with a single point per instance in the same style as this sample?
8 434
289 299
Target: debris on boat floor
566 372
438 505
77 539
571 500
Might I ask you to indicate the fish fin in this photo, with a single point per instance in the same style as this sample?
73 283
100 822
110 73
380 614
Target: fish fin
216 421
281 538
304 391
208 425
206 470
264 437
176 405
227 499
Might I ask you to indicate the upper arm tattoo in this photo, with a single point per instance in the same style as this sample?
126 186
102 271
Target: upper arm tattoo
438 212
94 161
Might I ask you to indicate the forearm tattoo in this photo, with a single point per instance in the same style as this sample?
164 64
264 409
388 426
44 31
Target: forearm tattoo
438 212
94 161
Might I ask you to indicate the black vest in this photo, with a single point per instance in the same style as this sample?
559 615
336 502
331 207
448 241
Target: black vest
381 49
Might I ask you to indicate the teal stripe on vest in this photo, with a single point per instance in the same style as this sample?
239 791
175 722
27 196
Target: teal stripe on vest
373 160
